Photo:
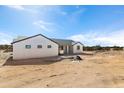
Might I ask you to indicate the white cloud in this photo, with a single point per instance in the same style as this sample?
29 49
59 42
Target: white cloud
33 14
78 37
74 17
104 39
45 26
77 6
80 11
18 7
63 13
27 9
44 22
38 12
5 38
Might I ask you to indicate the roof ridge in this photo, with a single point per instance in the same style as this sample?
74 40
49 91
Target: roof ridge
34 36
61 39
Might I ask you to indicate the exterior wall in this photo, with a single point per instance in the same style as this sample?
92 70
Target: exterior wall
75 48
20 52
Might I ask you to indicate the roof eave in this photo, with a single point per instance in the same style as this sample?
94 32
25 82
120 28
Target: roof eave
77 43
32 37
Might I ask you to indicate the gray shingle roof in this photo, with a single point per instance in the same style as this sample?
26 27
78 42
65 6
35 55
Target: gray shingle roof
58 41
63 41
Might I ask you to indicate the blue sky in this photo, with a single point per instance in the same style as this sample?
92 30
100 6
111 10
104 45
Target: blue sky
91 25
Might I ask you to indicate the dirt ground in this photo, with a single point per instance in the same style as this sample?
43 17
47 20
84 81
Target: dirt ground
105 69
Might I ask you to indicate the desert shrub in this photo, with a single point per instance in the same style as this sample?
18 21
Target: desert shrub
100 48
7 48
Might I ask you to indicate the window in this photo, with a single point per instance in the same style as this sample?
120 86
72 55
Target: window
39 46
49 46
27 46
78 47
61 48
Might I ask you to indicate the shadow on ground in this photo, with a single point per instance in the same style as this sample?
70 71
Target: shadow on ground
34 61
40 61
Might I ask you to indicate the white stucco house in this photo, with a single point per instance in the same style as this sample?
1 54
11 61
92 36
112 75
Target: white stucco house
38 46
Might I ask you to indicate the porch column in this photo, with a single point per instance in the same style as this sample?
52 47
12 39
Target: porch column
67 49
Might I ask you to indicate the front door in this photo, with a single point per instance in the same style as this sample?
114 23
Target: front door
61 50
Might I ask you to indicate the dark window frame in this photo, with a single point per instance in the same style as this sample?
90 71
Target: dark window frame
39 46
78 47
49 46
27 46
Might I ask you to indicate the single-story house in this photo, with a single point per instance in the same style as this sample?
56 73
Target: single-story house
41 46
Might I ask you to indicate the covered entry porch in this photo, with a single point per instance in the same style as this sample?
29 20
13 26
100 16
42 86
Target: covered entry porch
65 46
65 50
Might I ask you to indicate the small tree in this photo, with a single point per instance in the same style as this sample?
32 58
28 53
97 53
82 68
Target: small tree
97 47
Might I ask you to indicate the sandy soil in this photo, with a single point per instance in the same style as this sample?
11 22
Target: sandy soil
3 57
105 69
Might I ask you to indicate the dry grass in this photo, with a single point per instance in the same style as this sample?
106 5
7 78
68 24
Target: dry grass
3 57
105 69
